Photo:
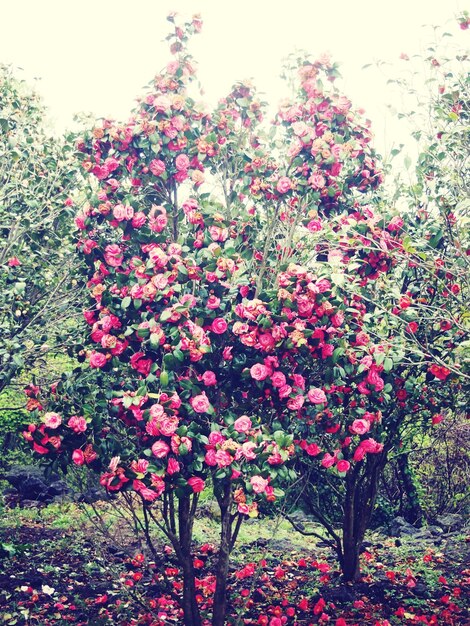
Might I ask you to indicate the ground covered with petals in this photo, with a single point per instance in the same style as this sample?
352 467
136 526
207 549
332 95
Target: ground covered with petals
57 569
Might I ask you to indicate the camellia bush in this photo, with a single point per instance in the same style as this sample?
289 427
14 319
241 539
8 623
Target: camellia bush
37 172
241 316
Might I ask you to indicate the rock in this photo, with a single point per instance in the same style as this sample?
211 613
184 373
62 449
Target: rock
93 494
343 594
400 527
420 590
32 485
450 521
435 530
32 504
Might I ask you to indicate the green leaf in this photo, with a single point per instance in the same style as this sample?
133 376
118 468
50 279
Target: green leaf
125 303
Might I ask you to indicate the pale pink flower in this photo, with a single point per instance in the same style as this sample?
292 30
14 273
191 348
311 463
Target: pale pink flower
242 424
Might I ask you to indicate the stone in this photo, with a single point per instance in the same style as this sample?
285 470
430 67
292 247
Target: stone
32 485
399 527
450 521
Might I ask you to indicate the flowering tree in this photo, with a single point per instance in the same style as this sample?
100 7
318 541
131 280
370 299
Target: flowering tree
237 327
36 172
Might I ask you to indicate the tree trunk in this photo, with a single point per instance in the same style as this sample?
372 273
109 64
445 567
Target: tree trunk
220 595
192 616
361 492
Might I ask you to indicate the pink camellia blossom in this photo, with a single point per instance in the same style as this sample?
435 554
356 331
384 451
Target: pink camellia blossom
328 460
210 459
196 484
316 396
139 219
113 255
213 303
14 261
312 449
77 424
285 391
182 162
362 338
157 167
173 466
359 427
284 184
314 226
140 466
343 465
52 420
223 458
215 438
200 403
160 449
97 359
123 212
396 223
209 378
258 483
219 326
168 426
294 404
278 379
247 451
259 371
78 457
242 424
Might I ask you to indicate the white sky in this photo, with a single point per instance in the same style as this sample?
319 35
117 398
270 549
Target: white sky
96 55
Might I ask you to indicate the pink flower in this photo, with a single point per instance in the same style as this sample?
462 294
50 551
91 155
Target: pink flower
294 404
259 371
223 458
157 167
139 219
314 226
173 466
362 338
78 457
52 420
343 466
278 379
285 391
312 449
97 359
200 403
316 396
213 303
209 378
359 427
210 459
160 449
328 460
77 424
182 162
215 438
242 424
396 223
196 484
247 450
14 261
113 255
219 326
284 184
258 483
